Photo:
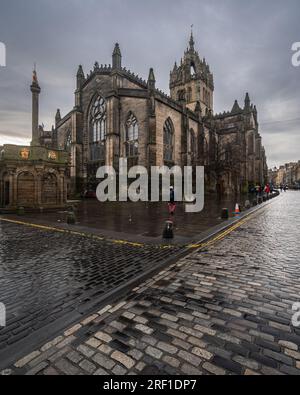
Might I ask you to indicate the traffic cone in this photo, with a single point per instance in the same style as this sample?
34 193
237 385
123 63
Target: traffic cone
237 209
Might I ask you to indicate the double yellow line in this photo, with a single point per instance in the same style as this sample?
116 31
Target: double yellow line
222 235
71 232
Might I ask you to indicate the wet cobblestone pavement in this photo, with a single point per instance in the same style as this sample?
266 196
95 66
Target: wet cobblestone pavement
44 275
223 310
144 221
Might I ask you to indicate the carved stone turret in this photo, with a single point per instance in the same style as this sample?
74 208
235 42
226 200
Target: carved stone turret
151 80
80 77
247 107
117 58
236 109
80 80
57 117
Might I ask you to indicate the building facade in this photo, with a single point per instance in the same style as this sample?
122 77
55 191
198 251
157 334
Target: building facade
34 176
288 174
117 114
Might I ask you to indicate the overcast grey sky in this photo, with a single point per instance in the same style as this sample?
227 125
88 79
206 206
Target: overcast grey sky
247 44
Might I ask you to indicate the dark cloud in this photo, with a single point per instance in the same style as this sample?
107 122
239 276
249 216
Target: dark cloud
247 44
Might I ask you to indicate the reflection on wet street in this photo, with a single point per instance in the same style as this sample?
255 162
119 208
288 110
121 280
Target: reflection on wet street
146 219
223 309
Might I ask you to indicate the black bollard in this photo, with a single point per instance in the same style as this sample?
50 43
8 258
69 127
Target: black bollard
168 232
254 202
71 218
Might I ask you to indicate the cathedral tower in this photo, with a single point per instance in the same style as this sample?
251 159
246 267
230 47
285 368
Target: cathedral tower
192 81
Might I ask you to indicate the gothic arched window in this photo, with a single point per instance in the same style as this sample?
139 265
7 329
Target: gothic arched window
168 140
132 136
193 70
98 120
98 129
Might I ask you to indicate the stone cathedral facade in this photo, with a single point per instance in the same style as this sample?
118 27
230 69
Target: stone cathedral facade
117 114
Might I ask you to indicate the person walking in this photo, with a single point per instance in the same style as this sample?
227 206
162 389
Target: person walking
267 190
257 190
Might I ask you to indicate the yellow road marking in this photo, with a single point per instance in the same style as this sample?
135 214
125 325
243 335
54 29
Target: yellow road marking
223 234
72 232
218 237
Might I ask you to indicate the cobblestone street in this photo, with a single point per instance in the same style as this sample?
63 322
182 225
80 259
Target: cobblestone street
47 275
224 309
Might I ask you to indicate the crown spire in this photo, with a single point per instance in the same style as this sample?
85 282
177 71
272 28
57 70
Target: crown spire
192 42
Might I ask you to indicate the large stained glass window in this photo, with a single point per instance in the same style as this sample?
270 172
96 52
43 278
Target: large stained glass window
168 140
132 136
98 129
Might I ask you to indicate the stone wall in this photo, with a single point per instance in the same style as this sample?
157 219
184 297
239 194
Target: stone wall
29 180
163 112
228 144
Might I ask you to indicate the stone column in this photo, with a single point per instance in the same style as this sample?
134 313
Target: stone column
36 90
39 186
12 187
62 187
